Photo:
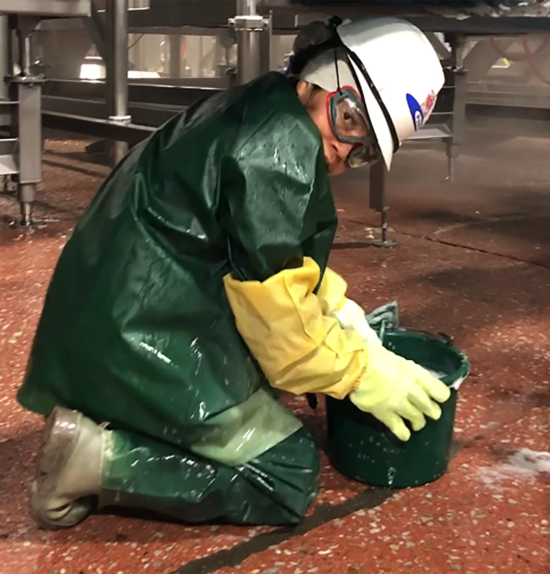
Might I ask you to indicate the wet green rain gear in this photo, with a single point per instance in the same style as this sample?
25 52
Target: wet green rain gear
137 331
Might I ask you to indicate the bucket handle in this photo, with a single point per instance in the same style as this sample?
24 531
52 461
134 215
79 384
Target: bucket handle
440 336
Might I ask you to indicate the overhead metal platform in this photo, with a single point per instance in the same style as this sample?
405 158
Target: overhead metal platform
46 8
464 16
452 8
126 111
481 15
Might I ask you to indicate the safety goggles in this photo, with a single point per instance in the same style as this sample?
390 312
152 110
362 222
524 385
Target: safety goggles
349 124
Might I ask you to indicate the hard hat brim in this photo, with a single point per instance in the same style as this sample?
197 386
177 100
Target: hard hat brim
377 119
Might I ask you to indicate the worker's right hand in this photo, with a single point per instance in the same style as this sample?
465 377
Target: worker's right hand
393 389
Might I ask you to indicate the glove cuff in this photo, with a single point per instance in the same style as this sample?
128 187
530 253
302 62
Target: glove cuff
356 384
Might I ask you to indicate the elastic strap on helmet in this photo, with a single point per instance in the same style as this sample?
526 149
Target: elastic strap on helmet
357 61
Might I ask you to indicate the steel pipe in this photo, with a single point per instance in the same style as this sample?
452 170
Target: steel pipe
248 41
5 57
117 70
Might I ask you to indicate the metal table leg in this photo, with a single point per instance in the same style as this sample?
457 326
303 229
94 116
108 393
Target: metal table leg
117 70
27 90
5 57
6 178
458 44
249 27
174 42
377 177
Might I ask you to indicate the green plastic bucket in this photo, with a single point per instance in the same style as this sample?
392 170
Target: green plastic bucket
362 448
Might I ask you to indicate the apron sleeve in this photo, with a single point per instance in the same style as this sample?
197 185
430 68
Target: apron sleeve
280 223
276 205
299 349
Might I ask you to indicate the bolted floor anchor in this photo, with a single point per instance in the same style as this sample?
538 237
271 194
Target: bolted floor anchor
384 241
32 224
26 193
27 221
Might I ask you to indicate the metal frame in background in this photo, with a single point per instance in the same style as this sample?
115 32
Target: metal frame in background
446 124
252 34
46 8
482 107
252 28
20 95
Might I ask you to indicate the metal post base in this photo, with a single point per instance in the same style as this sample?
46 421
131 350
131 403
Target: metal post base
34 223
384 241
26 212
26 195
452 156
450 177
27 221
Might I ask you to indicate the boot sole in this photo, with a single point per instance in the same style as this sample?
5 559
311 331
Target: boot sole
58 442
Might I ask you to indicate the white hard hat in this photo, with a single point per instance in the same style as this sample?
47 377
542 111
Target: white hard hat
398 72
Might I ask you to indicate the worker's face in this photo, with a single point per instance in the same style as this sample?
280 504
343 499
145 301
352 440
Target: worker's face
336 152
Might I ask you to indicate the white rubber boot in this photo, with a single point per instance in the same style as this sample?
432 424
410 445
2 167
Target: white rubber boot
68 473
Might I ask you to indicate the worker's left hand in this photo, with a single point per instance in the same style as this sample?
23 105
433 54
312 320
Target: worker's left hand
351 316
395 390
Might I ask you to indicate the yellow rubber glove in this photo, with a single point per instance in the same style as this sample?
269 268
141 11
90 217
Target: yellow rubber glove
299 349
393 389
349 314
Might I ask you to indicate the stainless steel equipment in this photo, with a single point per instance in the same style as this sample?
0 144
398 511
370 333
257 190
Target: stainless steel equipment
184 50
20 94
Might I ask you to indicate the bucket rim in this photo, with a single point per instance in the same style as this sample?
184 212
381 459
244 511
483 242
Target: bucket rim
452 380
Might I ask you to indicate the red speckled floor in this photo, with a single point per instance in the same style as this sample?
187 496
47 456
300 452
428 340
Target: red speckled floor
473 261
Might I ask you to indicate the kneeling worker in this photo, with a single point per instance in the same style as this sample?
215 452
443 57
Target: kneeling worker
197 281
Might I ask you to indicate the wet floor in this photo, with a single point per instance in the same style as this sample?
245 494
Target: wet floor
473 261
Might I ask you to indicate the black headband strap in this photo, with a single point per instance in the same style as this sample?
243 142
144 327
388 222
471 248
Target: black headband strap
357 61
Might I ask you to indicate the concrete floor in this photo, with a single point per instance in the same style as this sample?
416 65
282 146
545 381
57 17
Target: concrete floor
473 261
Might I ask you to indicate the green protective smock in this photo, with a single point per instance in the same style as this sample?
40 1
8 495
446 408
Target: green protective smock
137 330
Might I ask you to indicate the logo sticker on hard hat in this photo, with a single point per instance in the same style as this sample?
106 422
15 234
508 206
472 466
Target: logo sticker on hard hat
420 112
416 112
428 105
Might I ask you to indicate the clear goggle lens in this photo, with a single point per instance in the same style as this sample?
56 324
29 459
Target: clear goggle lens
362 155
349 124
